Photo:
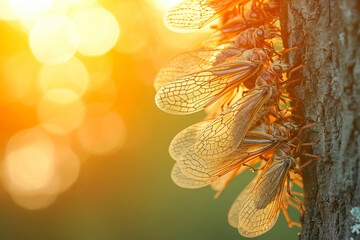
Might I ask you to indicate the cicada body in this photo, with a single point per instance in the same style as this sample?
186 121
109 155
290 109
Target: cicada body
251 18
224 134
194 92
204 58
257 208
260 140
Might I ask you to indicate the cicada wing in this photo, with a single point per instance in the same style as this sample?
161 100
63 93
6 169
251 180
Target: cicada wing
223 135
192 93
259 207
233 215
190 15
192 62
186 182
185 139
196 167
222 181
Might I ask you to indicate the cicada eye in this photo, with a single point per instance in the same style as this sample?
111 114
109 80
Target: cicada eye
255 57
254 15
260 33
277 69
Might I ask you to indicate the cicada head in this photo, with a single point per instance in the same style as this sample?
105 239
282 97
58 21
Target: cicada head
272 7
291 126
256 55
263 32
254 16
278 67
270 31
280 131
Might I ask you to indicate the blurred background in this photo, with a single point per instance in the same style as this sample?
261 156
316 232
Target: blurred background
84 149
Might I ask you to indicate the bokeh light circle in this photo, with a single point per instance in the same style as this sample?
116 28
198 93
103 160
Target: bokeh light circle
71 75
6 13
19 74
54 39
80 2
164 5
29 168
67 167
61 111
98 30
102 134
26 9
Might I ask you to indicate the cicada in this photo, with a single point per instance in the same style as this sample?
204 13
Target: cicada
257 208
260 140
191 15
204 58
251 18
194 92
224 134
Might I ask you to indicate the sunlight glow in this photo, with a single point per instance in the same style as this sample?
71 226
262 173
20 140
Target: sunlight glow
6 13
67 167
71 75
98 31
61 111
19 78
54 39
102 134
164 5
29 169
33 9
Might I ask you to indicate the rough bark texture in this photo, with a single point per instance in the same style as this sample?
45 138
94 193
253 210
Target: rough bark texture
331 90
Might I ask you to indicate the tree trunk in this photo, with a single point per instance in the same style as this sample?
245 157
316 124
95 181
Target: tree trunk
330 89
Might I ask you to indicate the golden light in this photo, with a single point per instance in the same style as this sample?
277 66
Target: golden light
33 9
71 75
101 95
67 167
6 13
102 134
19 74
98 30
54 39
29 169
61 111
59 7
80 2
33 201
164 5
102 64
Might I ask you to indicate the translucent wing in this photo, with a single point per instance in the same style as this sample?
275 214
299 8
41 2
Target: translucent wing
226 33
222 136
222 181
192 62
193 92
200 168
258 207
185 139
185 182
191 15
233 215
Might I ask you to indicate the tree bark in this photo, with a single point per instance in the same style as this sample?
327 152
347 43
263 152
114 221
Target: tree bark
330 89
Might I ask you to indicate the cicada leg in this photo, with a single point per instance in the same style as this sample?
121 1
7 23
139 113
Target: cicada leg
297 182
291 223
302 208
296 46
254 169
